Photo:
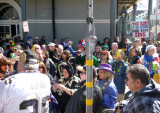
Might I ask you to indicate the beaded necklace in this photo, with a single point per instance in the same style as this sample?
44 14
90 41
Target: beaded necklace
117 72
83 85
105 84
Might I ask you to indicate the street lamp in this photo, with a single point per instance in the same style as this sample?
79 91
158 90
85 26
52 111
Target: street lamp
123 16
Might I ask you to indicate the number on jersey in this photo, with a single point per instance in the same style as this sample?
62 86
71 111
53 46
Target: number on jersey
34 103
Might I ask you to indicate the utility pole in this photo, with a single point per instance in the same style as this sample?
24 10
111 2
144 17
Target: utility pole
112 21
24 18
90 47
149 13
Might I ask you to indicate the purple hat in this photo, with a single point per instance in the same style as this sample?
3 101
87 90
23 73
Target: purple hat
106 67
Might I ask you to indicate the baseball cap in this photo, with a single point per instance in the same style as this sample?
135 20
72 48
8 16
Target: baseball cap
51 44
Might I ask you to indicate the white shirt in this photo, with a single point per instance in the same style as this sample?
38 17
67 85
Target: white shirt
25 93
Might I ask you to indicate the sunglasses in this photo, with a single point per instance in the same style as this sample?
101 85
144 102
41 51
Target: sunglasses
127 78
40 66
36 48
82 73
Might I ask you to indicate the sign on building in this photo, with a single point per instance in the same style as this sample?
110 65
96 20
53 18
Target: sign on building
140 29
25 26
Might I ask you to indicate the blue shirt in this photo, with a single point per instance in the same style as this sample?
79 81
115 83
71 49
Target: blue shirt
109 94
119 76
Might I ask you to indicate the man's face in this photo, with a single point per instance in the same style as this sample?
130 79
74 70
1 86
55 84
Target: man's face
66 40
114 47
40 55
11 47
138 43
131 83
51 48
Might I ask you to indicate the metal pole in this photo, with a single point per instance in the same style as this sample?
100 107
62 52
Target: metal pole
123 29
53 19
134 12
156 13
149 13
134 17
90 47
112 21
24 18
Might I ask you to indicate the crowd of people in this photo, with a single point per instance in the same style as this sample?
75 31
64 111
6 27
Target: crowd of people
52 77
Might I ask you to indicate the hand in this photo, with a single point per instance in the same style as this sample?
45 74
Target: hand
55 87
61 86
117 109
69 43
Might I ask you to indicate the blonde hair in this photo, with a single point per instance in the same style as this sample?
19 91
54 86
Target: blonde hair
111 77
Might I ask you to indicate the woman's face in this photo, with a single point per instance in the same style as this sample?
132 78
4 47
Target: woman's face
104 74
41 69
83 76
64 56
106 40
103 56
151 52
65 73
43 54
97 49
5 68
101 74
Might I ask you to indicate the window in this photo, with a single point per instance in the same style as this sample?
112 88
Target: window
8 13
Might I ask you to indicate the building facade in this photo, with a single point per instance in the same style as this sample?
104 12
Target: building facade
69 17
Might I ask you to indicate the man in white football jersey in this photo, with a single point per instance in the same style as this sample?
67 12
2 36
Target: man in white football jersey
28 91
